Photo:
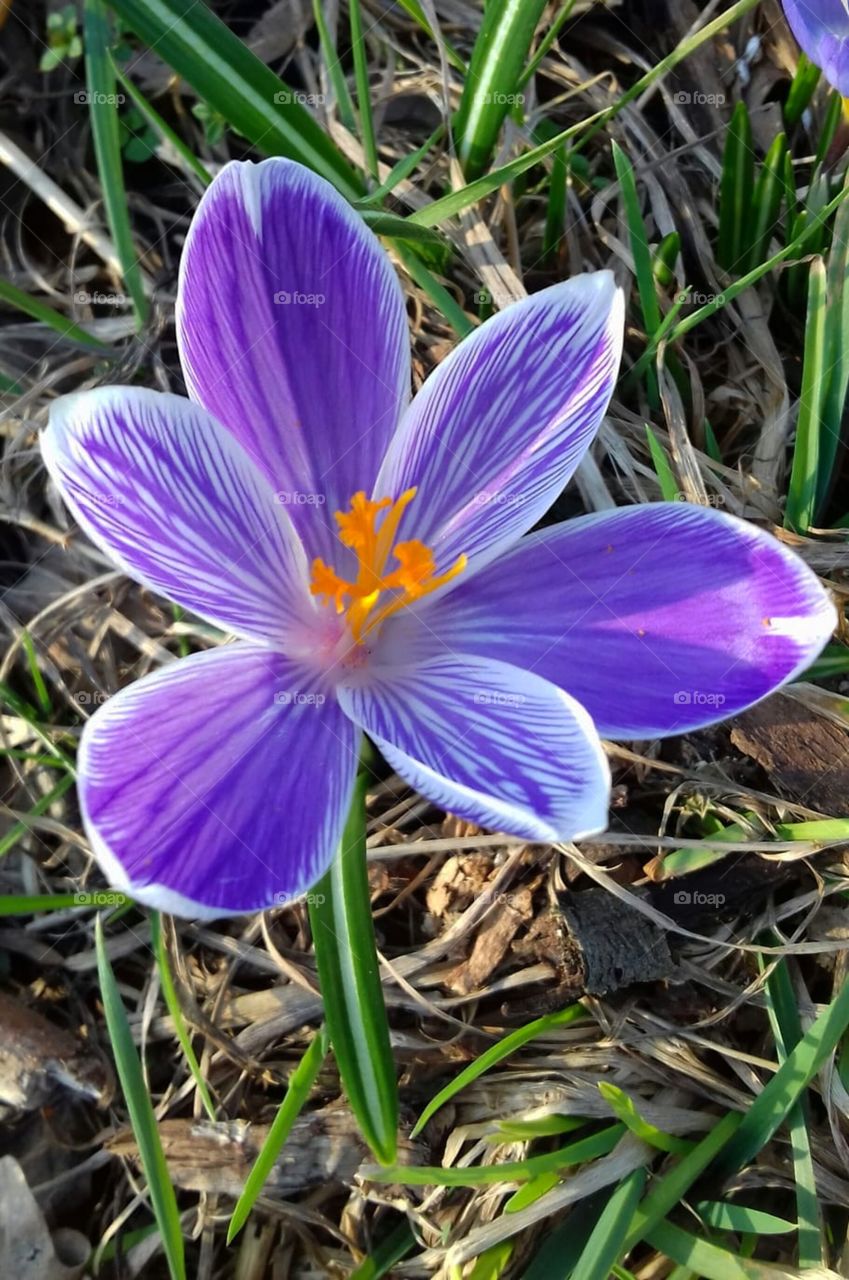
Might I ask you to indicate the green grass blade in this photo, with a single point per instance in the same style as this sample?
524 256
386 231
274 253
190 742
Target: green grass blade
709 1260
625 1109
142 1118
766 201
564 1245
802 89
349 975
344 103
769 1109
787 1031
172 1002
497 1053
19 829
802 491
736 190
837 339
670 1190
44 703
361 77
668 484
297 1092
491 87
237 84
383 1257
580 1152
641 253
40 311
453 203
739 1218
414 10
22 904
605 1245
103 113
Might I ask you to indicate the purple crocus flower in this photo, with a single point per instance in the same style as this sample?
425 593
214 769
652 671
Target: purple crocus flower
822 30
370 556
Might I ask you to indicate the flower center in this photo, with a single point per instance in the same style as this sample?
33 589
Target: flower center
369 529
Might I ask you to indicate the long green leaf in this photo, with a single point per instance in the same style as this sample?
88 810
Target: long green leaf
142 1117
605 1245
348 971
103 113
769 1109
497 1053
40 311
735 196
495 69
802 490
172 1000
237 84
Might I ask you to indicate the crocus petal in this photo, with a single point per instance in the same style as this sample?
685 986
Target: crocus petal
292 331
658 619
176 502
822 30
219 785
489 742
501 425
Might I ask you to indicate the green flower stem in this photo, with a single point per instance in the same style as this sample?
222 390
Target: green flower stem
349 974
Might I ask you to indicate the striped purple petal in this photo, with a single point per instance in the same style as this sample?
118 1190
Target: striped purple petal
658 619
488 742
219 785
501 425
175 501
292 331
822 30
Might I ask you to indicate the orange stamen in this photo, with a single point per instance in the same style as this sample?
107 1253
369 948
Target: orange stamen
369 529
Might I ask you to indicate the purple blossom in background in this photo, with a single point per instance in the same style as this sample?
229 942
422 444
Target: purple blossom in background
370 556
822 30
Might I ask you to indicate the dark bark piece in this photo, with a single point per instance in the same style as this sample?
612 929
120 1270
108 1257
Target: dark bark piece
802 752
618 945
